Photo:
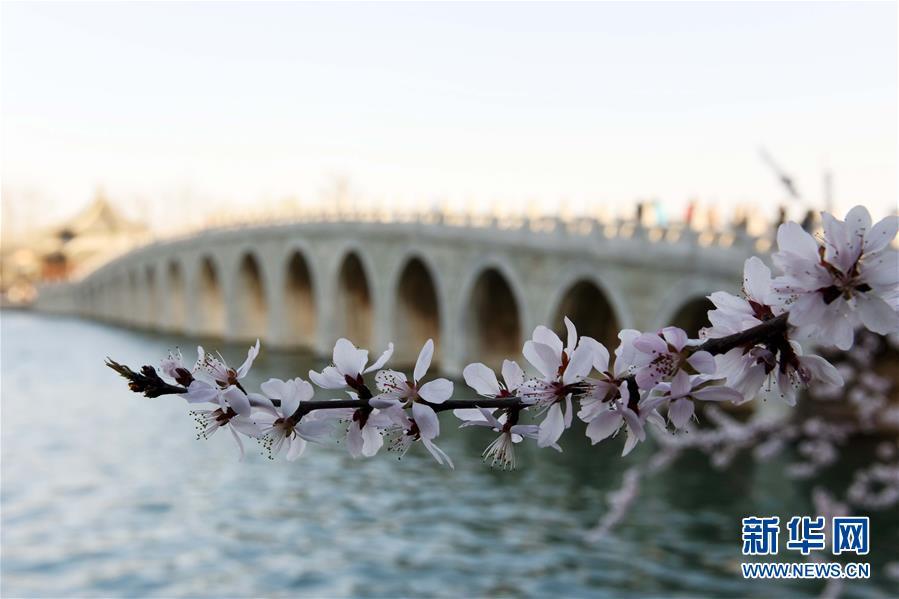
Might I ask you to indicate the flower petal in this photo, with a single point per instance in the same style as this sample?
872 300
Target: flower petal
572 335
634 424
680 385
291 399
305 390
354 441
726 301
877 315
237 399
547 337
718 393
251 355
513 375
756 279
296 448
436 391
372 440
881 234
552 426
603 426
651 344
482 379
471 416
382 359
275 388
794 239
807 310
626 355
426 419
600 354
349 360
821 370
630 442
881 269
424 360
200 392
239 443
438 454
391 381
680 411
543 357
317 430
703 362
676 337
329 378
579 365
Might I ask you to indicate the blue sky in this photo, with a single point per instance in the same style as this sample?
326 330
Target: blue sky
234 104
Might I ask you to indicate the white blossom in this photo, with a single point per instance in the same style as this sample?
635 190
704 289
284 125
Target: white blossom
397 391
661 355
774 375
684 389
562 370
407 431
278 428
501 450
734 314
198 391
849 280
349 364
233 412
221 373
483 380
607 407
174 367
607 418
365 427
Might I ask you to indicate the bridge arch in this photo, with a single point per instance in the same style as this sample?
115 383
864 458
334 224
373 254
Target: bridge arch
493 314
585 301
300 310
417 308
176 297
250 299
692 315
686 305
209 304
354 314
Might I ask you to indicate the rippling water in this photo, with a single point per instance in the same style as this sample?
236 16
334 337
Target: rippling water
108 494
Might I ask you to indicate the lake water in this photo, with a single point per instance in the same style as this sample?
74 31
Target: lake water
105 493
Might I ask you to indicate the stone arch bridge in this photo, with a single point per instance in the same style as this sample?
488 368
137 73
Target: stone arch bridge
477 289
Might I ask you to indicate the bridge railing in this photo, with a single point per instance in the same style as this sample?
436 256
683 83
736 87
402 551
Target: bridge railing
577 226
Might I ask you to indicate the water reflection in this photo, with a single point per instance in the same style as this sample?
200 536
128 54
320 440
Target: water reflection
105 493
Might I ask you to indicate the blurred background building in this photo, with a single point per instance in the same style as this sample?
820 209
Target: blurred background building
59 253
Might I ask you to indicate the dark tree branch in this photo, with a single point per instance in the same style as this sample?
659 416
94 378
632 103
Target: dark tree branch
147 381
768 330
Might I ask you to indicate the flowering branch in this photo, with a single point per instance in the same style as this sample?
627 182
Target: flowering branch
827 289
148 382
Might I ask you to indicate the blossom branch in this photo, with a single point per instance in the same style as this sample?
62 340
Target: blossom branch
148 382
825 292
